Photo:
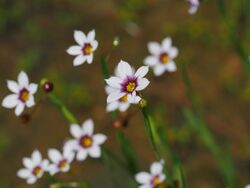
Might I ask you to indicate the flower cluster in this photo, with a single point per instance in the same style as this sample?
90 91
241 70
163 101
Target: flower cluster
83 144
153 179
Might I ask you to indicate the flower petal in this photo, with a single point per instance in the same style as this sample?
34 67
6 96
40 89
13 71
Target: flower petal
112 106
124 106
54 155
99 138
19 109
79 37
69 155
142 84
23 173
95 152
23 79
81 155
159 70
70 145
166 43
150 60
91 35
88 127
94 45
134 99
173 52
141 72
75 130
13 86
171 66
74 50
154 48
31 180
32 88
115 96
89 58
124 69
10 101
36 157
53 169
31 101
28 163
156 168
143 178
114 82
80 59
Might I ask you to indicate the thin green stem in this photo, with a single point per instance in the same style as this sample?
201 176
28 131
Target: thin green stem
65 111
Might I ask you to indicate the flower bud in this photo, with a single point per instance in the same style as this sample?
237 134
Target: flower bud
143 103
47 85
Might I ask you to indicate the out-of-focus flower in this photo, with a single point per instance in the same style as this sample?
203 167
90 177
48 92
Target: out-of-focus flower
126 83
84 51
34 167
194 6
61 162
121 104
84 142
162 56
22 93
152 179
247 186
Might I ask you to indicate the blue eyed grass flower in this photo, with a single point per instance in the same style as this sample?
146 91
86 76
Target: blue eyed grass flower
60 161
85 142
151 179
84 50
23 94
162 56
127 83
34 167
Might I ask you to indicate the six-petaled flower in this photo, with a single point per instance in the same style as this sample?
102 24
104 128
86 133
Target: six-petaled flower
61 162
22 94
153 179
85 142
162 56
127 83
34 167
84 51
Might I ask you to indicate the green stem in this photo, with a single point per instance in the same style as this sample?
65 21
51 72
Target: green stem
65 111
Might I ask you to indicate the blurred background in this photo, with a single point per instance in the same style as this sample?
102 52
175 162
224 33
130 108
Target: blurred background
34 36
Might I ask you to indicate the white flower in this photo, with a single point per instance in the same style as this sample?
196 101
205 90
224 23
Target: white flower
34 167
84 142
162 56
126 83
85 49
121 104
152 179
247 186
194 6
22 94
61 162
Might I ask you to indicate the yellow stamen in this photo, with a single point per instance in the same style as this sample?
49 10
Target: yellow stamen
124 98
86 141
63 164
24 95
36 171
130 87
87 49
164 58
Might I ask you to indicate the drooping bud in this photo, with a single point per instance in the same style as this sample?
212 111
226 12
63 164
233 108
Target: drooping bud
24 118
47 85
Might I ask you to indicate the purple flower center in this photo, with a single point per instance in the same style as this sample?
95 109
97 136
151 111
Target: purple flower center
86 141
24 95
164 58
62 164
129 85
87 49
37 171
